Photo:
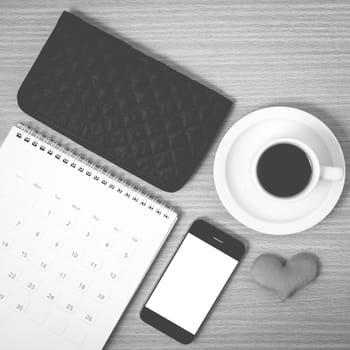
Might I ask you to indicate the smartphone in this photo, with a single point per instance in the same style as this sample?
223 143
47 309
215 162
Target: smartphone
192 281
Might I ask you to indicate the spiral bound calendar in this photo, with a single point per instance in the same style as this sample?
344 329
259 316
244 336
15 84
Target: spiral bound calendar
75 243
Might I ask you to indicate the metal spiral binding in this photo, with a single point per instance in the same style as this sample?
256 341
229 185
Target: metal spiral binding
97 173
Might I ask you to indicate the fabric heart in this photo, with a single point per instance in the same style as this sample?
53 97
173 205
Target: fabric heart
285 277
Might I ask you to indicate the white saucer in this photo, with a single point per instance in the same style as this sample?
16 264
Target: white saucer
241 196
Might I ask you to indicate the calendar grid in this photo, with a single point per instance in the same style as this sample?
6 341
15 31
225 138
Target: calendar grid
75 244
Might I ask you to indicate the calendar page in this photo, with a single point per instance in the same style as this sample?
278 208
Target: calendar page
75 243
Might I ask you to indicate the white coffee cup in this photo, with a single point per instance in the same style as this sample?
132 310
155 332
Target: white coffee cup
319 172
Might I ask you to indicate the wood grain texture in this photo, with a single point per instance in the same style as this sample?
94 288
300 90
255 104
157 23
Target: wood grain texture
259 53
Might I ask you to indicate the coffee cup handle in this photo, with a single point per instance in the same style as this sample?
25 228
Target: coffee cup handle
331 173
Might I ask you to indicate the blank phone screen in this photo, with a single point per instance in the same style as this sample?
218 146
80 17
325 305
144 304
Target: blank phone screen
191 283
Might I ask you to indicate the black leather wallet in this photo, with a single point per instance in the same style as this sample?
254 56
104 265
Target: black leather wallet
122 104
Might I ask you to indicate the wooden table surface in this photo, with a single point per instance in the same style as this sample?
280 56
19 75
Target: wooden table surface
260 53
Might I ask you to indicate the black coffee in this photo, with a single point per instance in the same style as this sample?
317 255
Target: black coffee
284 170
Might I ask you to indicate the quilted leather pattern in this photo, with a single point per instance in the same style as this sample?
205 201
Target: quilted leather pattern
118 102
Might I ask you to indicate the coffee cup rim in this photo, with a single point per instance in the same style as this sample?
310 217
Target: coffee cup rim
310 153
